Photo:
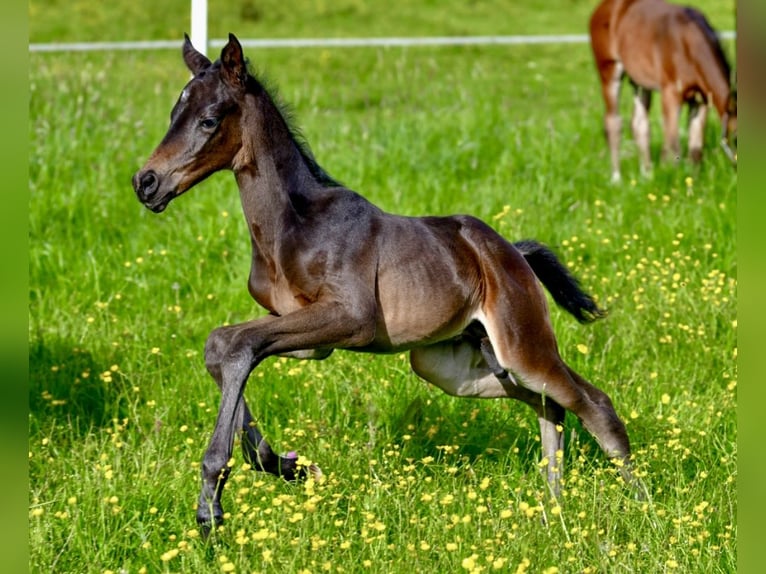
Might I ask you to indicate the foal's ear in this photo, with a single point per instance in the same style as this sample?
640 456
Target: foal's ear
233 67
195 61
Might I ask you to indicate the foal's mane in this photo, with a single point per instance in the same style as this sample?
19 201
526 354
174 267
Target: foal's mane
712 38
257 82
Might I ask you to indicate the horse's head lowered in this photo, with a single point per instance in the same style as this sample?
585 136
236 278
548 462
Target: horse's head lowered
204 134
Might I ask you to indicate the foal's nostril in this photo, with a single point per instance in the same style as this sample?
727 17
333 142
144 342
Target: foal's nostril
146 185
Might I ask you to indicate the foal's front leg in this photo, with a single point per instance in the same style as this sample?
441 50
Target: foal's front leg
697 118
255 449
231 354
640 126
671 110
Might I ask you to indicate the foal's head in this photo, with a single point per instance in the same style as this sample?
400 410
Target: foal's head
205 132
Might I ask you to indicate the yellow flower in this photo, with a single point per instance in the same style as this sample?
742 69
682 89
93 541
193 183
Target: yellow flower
169 555
583 348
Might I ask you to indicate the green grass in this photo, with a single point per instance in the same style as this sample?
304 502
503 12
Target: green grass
80 21
121 301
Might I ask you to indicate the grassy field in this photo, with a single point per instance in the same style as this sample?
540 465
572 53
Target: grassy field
121 301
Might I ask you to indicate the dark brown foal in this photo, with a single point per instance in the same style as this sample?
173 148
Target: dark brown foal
336 272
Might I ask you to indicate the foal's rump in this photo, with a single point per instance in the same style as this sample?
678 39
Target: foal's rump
685 48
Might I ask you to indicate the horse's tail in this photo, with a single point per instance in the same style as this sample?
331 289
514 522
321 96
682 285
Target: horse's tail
562 285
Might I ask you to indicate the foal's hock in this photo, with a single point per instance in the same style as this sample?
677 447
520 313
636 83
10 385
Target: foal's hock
336 272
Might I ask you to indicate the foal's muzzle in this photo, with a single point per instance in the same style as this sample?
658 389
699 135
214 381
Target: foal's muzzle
147 184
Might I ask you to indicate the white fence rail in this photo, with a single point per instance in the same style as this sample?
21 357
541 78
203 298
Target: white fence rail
331 42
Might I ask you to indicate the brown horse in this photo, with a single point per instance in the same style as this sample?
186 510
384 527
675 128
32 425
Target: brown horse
336 272
669 48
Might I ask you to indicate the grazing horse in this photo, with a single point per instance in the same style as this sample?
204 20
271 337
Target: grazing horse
669 48
336 272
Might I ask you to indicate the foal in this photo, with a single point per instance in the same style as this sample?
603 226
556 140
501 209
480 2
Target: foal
336 272
669 48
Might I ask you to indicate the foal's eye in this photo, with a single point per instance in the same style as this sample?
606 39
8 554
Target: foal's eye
209 123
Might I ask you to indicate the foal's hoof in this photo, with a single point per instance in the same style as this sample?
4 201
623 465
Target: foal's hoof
292 468
206 525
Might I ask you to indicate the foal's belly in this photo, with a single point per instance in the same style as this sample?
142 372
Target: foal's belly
410 316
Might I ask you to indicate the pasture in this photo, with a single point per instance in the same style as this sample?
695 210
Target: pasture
121 301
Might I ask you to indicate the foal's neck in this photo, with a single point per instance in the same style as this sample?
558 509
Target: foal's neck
271 171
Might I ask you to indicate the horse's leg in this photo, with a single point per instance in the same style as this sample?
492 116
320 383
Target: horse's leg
611 79
610 71
255 449
466 369
231 353
671 109
640 124
599 397
697 117
525 344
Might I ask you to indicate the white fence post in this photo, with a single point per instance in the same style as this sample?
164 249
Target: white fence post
199 25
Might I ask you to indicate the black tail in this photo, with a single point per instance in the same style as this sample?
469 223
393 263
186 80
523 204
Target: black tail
563 286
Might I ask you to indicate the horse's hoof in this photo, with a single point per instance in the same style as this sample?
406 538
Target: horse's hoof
206 526
294 469
315 472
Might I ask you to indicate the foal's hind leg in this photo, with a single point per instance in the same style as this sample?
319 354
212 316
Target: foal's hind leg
533 355
611 72
618 436
469 368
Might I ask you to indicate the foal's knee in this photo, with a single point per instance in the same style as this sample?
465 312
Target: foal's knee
216 348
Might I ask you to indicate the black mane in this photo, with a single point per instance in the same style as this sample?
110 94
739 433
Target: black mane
258 82
715 43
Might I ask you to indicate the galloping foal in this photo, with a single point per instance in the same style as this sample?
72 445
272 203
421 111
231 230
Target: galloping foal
336 272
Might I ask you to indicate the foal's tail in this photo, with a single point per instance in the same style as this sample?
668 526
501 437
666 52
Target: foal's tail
563 286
